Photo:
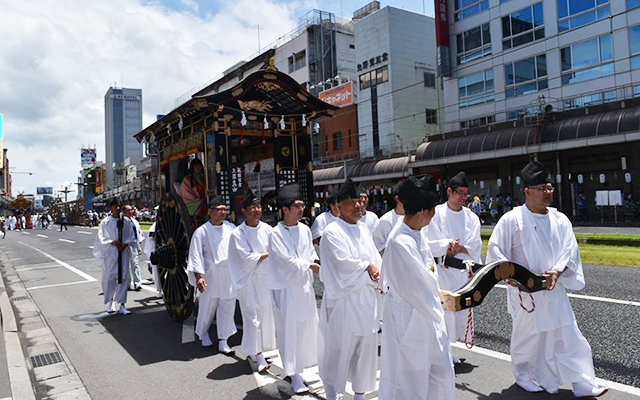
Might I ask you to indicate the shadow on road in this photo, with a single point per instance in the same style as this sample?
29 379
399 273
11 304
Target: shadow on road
514 392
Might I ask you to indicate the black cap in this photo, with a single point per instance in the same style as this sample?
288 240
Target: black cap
396 189
216 201
114 202
288 194
333 196
534 174
347 191
460 180
418 193
361 191
250 199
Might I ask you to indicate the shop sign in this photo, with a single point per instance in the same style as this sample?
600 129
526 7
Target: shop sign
339 96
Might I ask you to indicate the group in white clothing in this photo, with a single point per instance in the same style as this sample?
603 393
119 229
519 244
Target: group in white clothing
270 271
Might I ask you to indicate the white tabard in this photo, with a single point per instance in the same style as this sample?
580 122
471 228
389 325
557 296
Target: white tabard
349 319
416 354
465 226
208 256
320 223
370 219
384 227
104 250
248 275
546 344
290 278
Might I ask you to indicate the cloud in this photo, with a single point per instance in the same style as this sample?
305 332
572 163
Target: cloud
59 59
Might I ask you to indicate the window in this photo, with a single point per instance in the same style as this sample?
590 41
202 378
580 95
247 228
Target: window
429 80
480 121
466 8
633 4
432 116
587 60
634 39
297 61
575 13
475 89
338 141
522 26
590 99
525 76
474 43
373 78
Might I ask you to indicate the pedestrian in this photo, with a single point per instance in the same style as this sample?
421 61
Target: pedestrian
107 246
461 227
324 219
135 278
583 207
63 221
388 221
150 247
208 269
3 227
415 352
369 218
547 347
349 320
291 264
248 252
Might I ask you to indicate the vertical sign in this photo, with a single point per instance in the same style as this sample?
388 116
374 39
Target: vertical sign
443 54
1 141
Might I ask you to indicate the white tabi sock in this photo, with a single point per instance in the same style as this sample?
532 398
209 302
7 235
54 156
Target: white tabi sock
297 384
223 347
206 340
455 360
123 310
588 390
529 386
110 307
263 365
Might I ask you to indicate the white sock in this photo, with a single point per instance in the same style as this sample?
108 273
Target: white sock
263 365
123 310
206 340
297 384
456 360
529 386
223 346
253 359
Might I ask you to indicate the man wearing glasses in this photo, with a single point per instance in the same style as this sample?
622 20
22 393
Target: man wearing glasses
547 347
247 266
209 271
290 267
461 228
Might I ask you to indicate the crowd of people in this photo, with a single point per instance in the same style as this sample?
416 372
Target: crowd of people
378 274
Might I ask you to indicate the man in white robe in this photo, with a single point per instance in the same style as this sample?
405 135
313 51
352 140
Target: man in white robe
547 347
291 264
248 268
416 353
134 277
106 247
150 247
349 321
461 227
369 218
388 221
324 219
209 271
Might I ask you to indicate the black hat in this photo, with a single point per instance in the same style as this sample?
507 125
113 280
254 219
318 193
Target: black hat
460 180
418 193
347 191
396 189
333 198
288 194
361 191
250 199
534 174
216 201
114 202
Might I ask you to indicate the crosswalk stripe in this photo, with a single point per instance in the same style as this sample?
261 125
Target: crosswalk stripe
66 240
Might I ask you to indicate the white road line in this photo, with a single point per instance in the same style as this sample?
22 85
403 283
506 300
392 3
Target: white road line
26 233
15 259
595 298
35 268
44 236
91 247
85 233
66 240
58 285
188 330
505 357
75 270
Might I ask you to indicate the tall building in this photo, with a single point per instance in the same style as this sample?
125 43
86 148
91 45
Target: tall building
398 98
123 119
548 79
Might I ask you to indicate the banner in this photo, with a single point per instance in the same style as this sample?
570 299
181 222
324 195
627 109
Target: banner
44 190
341 95
443 52
88 158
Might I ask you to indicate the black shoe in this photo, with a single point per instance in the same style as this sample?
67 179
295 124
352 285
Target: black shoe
138 288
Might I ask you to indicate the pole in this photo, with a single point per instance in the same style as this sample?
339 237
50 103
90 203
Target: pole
120 227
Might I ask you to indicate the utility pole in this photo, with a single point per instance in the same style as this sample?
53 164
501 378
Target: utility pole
65 191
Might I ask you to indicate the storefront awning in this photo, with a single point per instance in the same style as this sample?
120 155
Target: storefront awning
328 176
378 170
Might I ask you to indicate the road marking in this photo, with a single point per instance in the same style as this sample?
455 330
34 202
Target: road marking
188 330
75 270
26 233
595 298
58 285
44 236
91 247
505 357
35 268
66 240
85 233
15 259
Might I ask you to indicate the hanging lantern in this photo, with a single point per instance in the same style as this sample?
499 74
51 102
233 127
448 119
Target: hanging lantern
603 178
265 126
499 182
627 177
243 123
518 180
558 178
283 126
304 120
481 184
580 179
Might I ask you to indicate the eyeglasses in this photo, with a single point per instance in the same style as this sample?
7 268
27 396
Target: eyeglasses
301 206
543 188
221 209
463 194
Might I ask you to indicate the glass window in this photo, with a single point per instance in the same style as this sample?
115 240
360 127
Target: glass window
466 8
632 4
429 79
375 77
525 76
523 26
480 121
432 116
634 40
576 13
338 141
475 89
586 60
473 44
365 80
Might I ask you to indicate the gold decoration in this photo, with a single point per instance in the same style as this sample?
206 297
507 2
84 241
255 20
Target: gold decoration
285 151
272 65
199 104
271 77
504 271
268 86
261 106
237 91
530 283
477 296
220 151
302 97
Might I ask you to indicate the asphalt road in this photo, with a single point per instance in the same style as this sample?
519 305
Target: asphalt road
146 355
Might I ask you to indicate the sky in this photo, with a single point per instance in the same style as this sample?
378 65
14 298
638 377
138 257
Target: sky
59 58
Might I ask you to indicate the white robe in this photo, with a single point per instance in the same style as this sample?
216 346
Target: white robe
248 275
320 223
416 353
349 320
150 247
384 227
465 226
370 219
104 250
290 278
546 344
208 256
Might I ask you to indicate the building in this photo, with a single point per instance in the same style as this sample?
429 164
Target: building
553 80
123 119
398 99
5 176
